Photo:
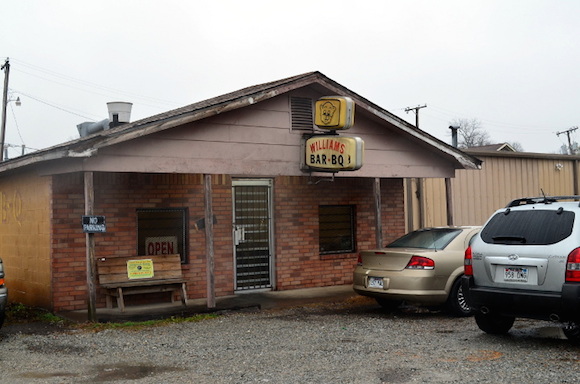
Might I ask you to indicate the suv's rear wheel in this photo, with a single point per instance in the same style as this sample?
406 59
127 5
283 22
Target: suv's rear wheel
456 303
572 331
494 324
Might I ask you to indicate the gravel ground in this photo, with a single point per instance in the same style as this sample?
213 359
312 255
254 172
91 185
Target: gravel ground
347 342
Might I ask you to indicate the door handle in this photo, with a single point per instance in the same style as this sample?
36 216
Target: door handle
239 235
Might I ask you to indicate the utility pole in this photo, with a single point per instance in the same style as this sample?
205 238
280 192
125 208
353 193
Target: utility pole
567 132
6 68
416 110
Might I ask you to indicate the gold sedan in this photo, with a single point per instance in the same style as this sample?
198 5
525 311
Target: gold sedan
422 267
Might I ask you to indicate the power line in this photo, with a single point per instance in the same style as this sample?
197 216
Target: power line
87 84
50 105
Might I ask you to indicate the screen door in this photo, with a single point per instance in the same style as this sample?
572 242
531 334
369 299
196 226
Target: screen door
252 231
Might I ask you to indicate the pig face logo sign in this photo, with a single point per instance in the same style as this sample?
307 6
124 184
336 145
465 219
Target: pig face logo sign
327 111
334 112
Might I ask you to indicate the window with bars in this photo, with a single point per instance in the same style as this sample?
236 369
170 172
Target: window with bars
162 231
336 229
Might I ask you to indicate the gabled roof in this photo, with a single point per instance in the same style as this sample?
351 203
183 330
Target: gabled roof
89 146
501 147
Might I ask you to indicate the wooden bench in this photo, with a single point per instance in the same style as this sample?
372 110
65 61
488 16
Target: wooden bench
134 275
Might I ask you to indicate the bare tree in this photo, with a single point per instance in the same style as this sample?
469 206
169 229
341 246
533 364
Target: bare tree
516 145
471 133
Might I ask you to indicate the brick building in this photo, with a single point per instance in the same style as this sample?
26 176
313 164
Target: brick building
237 160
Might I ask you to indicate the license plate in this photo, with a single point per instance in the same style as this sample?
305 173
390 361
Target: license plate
515 274
376 282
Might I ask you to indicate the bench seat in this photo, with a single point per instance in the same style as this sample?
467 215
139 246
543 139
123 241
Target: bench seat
166 276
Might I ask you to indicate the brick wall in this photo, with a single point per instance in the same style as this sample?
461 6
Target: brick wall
298 262
118 197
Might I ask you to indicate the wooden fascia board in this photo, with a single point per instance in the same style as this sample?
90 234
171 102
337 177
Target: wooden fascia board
242 101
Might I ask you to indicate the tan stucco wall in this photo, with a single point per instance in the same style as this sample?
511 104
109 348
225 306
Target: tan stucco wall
25 238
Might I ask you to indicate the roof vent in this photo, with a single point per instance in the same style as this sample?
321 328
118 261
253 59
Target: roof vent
90 127
119 113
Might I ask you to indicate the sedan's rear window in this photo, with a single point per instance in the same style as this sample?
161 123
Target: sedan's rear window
532 227
435 238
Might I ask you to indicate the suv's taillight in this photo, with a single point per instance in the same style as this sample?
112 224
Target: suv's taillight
419 262
467 263
573 266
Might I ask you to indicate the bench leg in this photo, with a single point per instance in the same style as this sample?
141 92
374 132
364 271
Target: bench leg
108 300
183 294
120 299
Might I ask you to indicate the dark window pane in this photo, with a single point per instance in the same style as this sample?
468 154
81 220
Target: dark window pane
532 227
161 231
336 232
433 238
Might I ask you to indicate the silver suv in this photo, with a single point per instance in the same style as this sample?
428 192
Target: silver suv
525 263
3 295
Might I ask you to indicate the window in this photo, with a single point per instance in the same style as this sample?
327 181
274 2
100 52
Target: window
426 238
531 227
336 232
162 231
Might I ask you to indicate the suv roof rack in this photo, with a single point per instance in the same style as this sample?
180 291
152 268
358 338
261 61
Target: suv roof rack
540 200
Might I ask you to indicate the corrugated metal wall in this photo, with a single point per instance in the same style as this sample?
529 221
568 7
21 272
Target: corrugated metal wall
503 177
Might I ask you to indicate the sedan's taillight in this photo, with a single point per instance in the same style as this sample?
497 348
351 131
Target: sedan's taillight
359 260
420 262
467 263
573 266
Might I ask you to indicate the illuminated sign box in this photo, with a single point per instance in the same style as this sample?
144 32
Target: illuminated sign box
334 153
334 112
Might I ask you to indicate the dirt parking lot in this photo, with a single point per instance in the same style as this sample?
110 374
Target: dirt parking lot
354 341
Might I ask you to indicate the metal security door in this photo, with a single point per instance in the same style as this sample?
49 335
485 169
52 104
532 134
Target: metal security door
252 234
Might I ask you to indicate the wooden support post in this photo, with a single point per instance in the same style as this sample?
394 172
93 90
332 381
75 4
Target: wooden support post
449 201
210 264
575 177
378 216
90 250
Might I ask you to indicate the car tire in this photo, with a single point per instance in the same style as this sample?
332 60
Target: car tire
390 305
2 317
572 332
457 303
494 324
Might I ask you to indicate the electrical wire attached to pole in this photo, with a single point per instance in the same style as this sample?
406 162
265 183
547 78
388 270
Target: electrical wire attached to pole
567 132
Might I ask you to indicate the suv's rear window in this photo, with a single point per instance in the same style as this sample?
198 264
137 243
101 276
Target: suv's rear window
533 227
426 238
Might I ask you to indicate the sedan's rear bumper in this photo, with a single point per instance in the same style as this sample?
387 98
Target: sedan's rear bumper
412 286
560 306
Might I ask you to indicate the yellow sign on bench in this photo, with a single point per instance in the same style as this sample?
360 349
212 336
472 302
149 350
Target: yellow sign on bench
140 269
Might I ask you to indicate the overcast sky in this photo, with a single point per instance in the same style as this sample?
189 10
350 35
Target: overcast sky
512 65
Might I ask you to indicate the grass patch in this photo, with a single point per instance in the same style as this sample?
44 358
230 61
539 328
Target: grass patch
139 325
20 313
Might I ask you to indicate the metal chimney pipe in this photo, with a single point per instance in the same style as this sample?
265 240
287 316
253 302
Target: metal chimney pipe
454 129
